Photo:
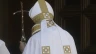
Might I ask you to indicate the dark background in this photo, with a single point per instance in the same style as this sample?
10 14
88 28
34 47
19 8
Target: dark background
78 17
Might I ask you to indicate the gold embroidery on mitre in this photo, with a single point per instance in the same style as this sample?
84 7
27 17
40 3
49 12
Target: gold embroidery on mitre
45 49
38 18
43 5
67 49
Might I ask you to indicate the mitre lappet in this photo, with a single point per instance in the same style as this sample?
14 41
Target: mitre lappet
47 37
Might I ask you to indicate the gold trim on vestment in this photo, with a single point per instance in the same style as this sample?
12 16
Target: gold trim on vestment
45 49
67 49
36 28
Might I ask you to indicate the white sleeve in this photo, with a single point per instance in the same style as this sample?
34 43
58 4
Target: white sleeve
3 48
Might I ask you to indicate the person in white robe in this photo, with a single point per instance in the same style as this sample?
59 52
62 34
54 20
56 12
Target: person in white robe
3 48
47 37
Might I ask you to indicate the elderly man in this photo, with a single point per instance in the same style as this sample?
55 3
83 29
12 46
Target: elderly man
47 36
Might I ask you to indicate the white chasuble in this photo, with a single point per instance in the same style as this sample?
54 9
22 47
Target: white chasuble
52 40
47 37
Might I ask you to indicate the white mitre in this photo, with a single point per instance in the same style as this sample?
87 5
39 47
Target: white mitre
3 48
36 9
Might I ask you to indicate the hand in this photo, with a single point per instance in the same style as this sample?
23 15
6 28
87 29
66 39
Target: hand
22 46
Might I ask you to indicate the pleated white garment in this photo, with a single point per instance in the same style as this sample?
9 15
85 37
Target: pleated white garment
3 48
58 40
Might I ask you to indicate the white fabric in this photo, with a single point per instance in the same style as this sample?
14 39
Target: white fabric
54 36
50 37
35 10
67 39
3 48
